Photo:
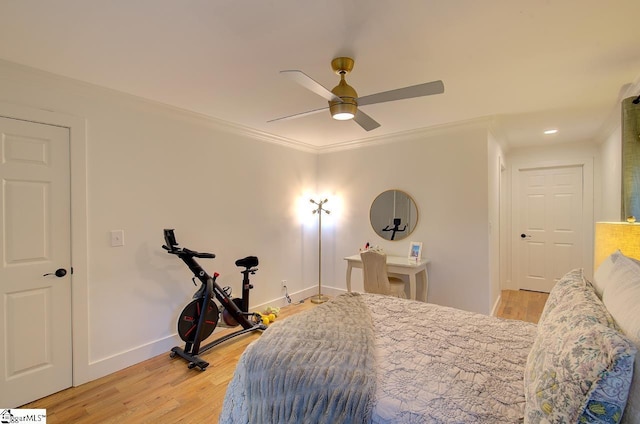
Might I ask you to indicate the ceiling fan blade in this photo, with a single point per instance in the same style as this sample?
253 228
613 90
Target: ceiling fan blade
426 89
299 115
365 121
310 84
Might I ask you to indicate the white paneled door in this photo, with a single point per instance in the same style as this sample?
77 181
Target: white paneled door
35 315
549 227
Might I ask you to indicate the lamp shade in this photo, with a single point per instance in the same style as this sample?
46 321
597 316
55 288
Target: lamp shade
612 236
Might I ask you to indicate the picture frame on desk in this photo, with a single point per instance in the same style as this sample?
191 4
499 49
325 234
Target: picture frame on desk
415 250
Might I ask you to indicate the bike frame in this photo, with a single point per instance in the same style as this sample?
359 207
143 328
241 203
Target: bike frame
193 349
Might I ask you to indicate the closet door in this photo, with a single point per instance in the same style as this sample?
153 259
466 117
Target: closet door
549 228
35 265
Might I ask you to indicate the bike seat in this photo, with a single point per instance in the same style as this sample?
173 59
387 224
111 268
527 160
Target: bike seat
248 262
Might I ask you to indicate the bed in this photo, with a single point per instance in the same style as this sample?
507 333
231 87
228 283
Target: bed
366 358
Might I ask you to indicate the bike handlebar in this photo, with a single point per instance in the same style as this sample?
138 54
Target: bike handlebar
172 247
190 253
198 254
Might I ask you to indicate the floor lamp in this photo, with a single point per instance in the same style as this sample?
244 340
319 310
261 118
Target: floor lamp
319 298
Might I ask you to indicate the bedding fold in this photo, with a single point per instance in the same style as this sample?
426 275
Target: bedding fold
317 368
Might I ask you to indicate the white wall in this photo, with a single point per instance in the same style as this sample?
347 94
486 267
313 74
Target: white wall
445 171
609 208
151 167
552 152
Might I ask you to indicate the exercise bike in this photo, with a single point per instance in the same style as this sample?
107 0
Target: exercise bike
200 317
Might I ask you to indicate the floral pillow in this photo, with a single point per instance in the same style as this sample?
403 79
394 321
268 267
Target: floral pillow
573 292
580 366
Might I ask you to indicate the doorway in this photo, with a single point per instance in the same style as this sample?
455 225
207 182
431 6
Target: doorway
76 153
552 220
35 278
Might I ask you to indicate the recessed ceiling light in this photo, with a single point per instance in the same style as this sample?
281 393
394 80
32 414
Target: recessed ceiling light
553 131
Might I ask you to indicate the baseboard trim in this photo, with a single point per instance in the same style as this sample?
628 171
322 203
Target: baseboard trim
105 366
119 361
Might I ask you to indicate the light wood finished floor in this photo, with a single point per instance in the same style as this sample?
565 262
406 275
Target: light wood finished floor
164 390
522 305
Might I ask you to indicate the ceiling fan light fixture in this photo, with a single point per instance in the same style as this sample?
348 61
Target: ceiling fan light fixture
346 108
343 99
343 111
343 116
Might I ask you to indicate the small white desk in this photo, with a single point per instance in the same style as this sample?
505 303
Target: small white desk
399 265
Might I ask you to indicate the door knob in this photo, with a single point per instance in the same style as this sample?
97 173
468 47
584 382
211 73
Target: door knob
523 235
60 272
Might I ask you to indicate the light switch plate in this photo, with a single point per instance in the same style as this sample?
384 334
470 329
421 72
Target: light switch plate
117 238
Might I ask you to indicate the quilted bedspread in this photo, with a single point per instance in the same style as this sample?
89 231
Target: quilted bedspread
443 365
432 364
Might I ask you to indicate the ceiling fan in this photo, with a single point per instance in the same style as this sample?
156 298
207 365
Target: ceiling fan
343 99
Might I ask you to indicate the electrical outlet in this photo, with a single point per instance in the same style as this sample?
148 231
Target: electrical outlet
283 284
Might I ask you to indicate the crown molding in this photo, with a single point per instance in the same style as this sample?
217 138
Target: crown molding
497 131
15 71
483 123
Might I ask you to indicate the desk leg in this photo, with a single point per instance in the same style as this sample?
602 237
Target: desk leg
349 267
424 276
412 286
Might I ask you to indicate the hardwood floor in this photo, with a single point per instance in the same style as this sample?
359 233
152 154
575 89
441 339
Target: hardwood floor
165 390
522 305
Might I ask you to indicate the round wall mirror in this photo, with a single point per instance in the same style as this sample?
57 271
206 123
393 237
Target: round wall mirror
393 215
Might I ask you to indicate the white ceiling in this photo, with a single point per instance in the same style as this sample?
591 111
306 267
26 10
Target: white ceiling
530 64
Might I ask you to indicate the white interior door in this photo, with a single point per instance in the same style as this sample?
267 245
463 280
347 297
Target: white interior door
549 225
35 315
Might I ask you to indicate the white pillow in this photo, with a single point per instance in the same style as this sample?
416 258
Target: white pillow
603 273
621 296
